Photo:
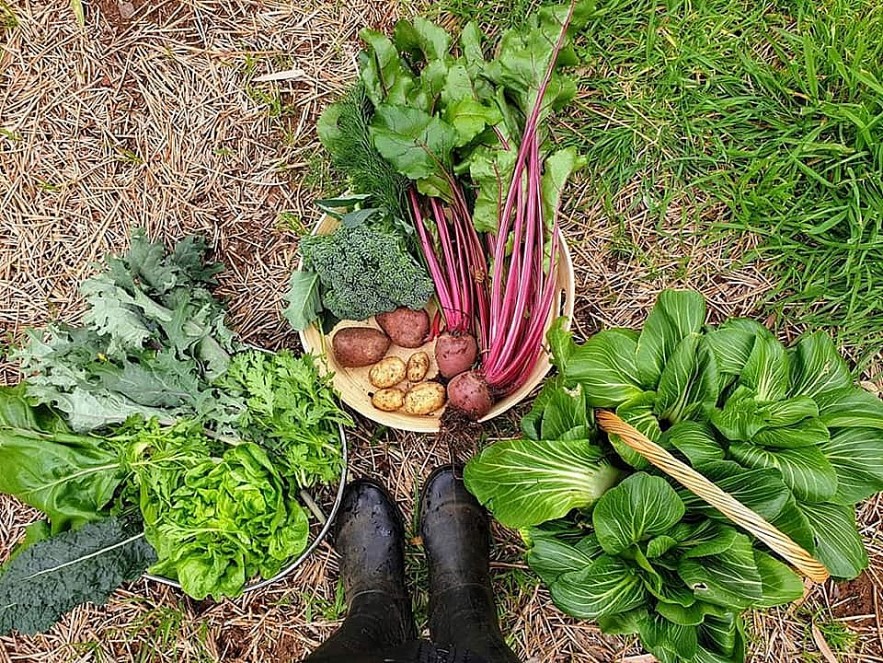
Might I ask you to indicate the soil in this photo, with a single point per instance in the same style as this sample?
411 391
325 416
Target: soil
460 433
121 13
286 649
855 598
233 643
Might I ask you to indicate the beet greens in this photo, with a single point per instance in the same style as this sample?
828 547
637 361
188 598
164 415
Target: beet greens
468 132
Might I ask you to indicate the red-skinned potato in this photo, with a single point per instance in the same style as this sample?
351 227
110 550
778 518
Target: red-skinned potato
359 346
407 328
469 392
455 354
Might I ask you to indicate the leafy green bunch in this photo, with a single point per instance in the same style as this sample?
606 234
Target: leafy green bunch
291 411
678 582
146 442
153 338
731 400
636 556
214 519
46 577
437 111
782 430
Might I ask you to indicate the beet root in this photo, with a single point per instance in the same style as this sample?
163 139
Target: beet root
469 392
407 328
455 354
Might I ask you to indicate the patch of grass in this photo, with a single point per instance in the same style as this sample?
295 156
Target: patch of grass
416 565
287 220
159 632
327 610
510 585
320 176
88 650
773 108
8 19
839 637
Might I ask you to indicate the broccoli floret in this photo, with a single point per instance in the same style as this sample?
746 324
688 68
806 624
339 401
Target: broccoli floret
365 270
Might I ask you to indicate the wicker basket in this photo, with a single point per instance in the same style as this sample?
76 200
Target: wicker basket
728 505
355 390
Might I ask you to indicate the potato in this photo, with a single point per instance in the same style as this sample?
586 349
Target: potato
418 366
388 400
359 346
424 398
407 328
387 372
455 354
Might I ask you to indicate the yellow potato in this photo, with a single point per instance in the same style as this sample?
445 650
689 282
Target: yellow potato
424 398
418 366
387 372
388 400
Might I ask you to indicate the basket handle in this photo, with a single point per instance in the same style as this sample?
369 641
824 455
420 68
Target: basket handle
711 493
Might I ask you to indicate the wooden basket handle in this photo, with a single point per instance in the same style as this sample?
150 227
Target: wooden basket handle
711 493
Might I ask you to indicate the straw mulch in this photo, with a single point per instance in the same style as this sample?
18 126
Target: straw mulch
150 116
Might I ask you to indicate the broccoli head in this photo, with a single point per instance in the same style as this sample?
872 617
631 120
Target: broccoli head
365 270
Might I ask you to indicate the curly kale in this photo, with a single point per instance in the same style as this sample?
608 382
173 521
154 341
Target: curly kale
365 270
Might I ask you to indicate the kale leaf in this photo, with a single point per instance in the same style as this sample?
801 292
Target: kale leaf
154 338
54 575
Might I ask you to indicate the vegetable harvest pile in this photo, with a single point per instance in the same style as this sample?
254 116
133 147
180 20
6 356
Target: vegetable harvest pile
783 430
152 440
445 148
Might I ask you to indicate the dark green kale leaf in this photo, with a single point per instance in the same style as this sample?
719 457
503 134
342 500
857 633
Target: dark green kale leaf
54 575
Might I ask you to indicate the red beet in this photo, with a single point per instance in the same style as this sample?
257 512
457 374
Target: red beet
469 392
455 354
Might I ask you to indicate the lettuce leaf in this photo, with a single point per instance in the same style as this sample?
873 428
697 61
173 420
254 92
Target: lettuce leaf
69 477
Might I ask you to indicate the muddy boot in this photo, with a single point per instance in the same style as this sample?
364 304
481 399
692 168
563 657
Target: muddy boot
369 537
457 539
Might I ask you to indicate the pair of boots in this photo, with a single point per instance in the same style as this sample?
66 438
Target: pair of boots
379 626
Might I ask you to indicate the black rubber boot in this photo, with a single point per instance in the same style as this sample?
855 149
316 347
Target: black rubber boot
369 537
457 539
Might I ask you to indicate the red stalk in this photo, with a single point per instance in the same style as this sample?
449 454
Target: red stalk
522 293
456 266
513 309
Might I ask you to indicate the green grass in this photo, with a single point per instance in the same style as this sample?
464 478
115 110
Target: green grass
318 607
158 632
773 109
838 636
8 19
